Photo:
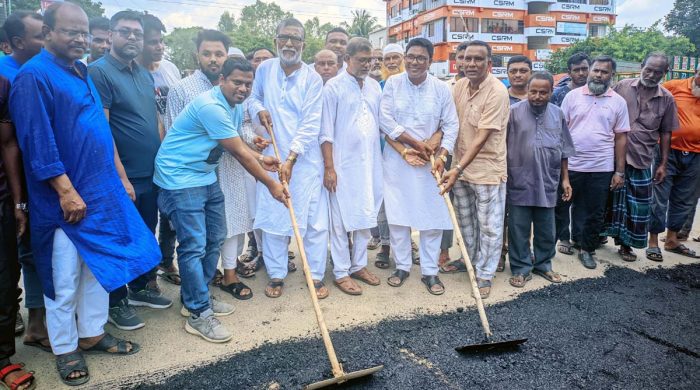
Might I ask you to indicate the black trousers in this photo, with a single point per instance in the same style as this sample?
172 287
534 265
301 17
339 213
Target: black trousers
590 195
9 277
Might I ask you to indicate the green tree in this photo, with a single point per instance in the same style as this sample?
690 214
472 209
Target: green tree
256 25
181 47
315 37
362 24
684 19
227 23
627 44
91 8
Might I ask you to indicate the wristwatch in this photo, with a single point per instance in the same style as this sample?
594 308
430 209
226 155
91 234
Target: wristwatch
621 174
21 206
291 159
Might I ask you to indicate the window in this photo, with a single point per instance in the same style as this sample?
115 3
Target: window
431 29
457 24
598 30
500 26
599 2
394 11
499 60
566 28
572 1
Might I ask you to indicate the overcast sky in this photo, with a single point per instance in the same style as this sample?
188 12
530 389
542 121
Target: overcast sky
186 13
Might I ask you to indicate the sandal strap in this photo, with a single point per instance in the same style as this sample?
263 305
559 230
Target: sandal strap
319 284
109 341
275 284
401 274
22 380
432 280
65 369
10 369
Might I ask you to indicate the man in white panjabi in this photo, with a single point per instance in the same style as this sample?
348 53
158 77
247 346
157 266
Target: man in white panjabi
353 164
414 106
287 95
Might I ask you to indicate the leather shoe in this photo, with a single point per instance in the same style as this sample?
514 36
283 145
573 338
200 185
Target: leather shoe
587 259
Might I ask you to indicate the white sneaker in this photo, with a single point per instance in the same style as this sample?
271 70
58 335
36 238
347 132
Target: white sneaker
220 308
208 327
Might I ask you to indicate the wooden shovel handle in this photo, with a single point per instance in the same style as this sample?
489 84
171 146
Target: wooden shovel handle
465 255
330 350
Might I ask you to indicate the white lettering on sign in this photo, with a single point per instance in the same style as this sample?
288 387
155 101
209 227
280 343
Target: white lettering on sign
544 18
503 48
464 12
600 19
500 14
571 17
463 2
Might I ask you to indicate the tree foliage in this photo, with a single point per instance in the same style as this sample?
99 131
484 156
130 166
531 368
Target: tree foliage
627 44
315 37
227 23
362 24
91 8
256 27
684 19
181 47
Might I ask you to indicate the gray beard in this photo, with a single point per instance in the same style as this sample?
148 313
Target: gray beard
696 90
290 62
648 84
597 88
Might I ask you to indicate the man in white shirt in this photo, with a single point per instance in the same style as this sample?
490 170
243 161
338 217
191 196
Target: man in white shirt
414 106
352 158
326 64
287 96
337 42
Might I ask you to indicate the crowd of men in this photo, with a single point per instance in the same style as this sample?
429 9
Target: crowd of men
102 142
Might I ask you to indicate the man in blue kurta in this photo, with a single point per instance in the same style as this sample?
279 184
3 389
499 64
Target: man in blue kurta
87 235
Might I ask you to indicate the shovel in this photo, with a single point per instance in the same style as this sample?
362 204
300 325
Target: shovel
339 376
487 345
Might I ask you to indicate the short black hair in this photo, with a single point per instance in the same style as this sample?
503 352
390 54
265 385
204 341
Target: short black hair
152 23
576 59
212 36
422 42
3 36
291 22
462 46
337 30
477 42
657 54
251 53
125 15
234 63
605 58
14 25
99 23
542 75
518 59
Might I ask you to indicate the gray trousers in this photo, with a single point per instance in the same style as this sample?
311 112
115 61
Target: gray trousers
521 219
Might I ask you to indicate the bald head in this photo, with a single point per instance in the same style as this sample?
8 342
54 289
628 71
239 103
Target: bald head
66 30
326 64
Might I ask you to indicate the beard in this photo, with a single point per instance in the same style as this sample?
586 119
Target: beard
649 83
290 61
696 90
598 88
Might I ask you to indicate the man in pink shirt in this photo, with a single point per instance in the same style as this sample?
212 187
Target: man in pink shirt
598 121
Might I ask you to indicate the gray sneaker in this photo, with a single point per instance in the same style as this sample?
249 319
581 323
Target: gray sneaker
208 327
220 308
149 298
124 316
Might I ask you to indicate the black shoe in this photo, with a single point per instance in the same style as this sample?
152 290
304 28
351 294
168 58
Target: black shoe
587 259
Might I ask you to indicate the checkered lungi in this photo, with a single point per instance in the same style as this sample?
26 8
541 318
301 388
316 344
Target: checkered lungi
629 209
480 212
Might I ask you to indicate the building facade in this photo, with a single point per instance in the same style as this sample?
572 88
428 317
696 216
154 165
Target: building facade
533 28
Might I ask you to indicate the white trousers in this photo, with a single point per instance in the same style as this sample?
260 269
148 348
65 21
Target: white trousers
315 243
231 249
80 308
429 248
343 264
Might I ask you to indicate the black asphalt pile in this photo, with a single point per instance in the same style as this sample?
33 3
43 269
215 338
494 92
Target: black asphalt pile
628 330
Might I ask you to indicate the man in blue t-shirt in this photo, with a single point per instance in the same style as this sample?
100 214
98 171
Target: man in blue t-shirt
24 37
190 194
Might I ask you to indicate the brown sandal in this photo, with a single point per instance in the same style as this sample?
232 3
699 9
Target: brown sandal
551 276
348 286
274 288
321 289
519 281
366 276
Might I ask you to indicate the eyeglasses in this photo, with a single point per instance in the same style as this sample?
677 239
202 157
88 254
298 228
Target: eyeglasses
286 38
417 59
127 32
73 34
363 61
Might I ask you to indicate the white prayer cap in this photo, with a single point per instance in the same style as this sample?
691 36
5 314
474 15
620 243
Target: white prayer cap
392 48
234 51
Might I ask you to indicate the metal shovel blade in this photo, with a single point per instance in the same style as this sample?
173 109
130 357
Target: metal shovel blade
491 347
343 378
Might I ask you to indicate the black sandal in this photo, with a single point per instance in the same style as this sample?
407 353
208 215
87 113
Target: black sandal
291 267
235 290
683 251
401 274
382 261
108 341
431 281
65 368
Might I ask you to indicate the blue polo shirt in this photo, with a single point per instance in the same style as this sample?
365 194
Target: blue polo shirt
129 94
190 151
9 68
